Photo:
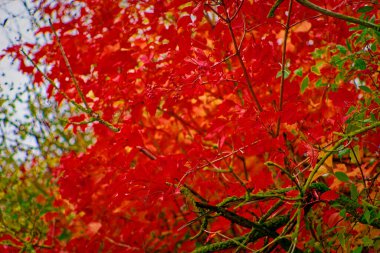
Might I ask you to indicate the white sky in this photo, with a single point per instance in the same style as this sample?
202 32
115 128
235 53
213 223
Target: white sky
15 27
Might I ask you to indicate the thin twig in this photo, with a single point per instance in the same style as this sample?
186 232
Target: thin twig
53 83
360 167
196 194
216 13
222 61
146 152
244 33
94 116
237 10
305 19
68 66
283 65
120 244
214 161
283 57
238 54
290 176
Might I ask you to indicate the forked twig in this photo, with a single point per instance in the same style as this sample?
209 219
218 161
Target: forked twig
214 161
80 107
94 116
242 64
120 244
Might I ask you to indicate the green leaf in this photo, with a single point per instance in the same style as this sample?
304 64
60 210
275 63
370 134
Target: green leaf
342 176
298 71
340 76
343 152
335 60
351 109
360 64
355 155
354 192
317 54
367 216
315 70
342 239
65 235
240 95
373 47
319 83
362 37
365 9
373 117
342 213
348 44
304 84
342 49
358 250
365 88
319 229
354 28
367 241
286 74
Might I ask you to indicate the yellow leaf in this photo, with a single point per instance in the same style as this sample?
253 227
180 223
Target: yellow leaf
356 155
93 228
326 168
90 95
302 27
323 170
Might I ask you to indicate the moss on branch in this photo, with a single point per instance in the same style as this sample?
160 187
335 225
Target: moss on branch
272 224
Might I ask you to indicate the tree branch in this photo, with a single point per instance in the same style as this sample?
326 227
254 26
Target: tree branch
349 19
274 8
272 225
256 227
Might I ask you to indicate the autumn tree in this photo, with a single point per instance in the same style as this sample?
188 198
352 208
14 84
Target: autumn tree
32 141
217 125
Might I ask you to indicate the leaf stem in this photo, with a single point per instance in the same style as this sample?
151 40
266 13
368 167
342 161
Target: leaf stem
290 176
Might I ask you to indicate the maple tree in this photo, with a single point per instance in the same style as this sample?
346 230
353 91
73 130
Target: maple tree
217 125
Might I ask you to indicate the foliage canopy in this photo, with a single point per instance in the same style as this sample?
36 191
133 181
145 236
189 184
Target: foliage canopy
214 125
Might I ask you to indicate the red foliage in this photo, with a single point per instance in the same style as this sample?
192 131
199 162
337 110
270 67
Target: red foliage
167 74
